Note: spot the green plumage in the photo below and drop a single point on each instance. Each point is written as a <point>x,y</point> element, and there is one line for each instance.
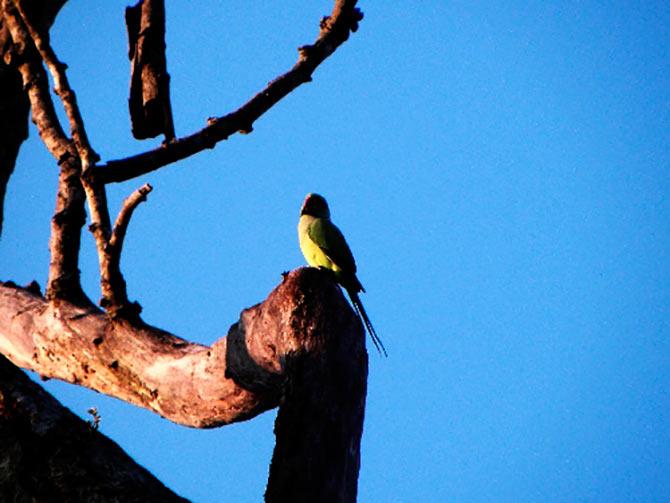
<point>324,246</point>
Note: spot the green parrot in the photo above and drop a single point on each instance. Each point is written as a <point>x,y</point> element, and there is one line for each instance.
<point>324,246</point>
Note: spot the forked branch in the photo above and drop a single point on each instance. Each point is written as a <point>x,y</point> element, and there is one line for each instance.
<point>82,157</point>
<point>69,216</point>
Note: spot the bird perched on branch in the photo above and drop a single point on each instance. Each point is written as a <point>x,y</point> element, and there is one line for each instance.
<point>324,246</point>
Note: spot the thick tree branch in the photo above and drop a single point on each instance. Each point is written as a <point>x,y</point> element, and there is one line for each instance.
<point>49,454</point>
<point>319,426</point>
<point>13,125</point>
<point>334,31</point>
<point>238,377</point>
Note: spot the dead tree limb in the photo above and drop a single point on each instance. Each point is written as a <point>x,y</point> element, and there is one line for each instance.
<point>149,101</point>
<point>334,31</point>
<point>77,156</point>
<point>115,300</point>
<point>236,378</point>
<point>319,426</point>
<point>49,454</point>
<point>61,86</point>
<point>69,215</point>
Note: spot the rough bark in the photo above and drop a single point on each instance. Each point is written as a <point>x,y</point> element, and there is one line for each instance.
<point>149,101</point>
<point>13,101</point>
<point>319,425</point>
<point>187,383</point>
<point>303,348</point>
<point>47,454</point>
<point>69,215</point>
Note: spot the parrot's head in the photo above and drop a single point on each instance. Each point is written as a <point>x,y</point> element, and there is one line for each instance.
<point>315,206</point>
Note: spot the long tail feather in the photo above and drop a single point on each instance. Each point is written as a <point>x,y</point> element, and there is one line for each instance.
<point>360,310</point>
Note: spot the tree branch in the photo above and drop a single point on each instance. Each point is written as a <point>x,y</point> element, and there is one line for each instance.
<point>62,88</point>
<point>236,378</point>
<point>69,215</point>
<point>49,454</point>
<point>334,31</point>
<point>114,295</point>
<point>13,125</point>
<point>123,219</point>
<point>112,284</point>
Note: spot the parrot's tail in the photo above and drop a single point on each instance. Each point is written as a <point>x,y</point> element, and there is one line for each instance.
<point>360,310</point>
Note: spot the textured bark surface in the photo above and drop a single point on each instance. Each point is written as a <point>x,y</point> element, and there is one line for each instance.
<point>13,100</point>
<point>149,101</point>
<point>320,422</point>
<point>13,126</point>
<point>47,454</point>
<point>187,383</point>
<point>303,349</point>
<point>69,215</point>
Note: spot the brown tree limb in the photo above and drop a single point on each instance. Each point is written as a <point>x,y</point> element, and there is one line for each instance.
<point>334,31</point>
<point>113,286</point>
<point>61,87</point>
<point>236,378</point>
<point>36,85</point>
<point>69,215</point>
<point>95,193</point>
<point>49,454</point>
<point>319,426</point>
<point>149,101</point>
<point>123,219</point>
<point>115,297</point>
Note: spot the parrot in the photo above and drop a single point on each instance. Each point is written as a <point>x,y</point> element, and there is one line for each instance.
<point>324,247</point>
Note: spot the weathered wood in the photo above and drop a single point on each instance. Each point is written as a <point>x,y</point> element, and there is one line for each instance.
<point>69,214</point>
<point>149,101</point>
<point>47,454</point>
<point>13,125</point>
<point>320,422</point>
<point>184,382</point>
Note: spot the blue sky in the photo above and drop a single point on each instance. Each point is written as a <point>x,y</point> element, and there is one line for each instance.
<point>501,172</point>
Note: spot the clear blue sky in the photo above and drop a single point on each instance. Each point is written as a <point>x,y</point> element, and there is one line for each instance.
<point>502,173</point>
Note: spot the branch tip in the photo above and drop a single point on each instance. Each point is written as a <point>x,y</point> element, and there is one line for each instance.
<point>334,31</point>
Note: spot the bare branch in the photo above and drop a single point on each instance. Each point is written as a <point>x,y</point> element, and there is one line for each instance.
<point>14,108</point>
<point>62,88</point>
<point>69,216</point>
<point>95,194</point>
<point>334,31</point>
<point>114,294</point>
<point>126,212</point>
<point>236,378</point>
<point>36,85</point>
